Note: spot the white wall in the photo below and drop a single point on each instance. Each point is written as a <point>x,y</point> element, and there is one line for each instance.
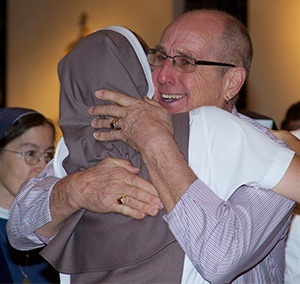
<point>40,30</point>
<point>274,82</point>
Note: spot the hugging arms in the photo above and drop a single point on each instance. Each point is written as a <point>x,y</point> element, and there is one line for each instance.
<point>189,201</point>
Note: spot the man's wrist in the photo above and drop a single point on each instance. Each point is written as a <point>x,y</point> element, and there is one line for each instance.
<point>164,162</point>
<point>62,203</point>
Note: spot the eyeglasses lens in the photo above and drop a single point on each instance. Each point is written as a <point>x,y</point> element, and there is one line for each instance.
<point>184,64</point>
<point>34,157</point>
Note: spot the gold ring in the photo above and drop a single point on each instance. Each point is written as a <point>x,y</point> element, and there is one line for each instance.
<point>114,124</point>
<point>121,199</point>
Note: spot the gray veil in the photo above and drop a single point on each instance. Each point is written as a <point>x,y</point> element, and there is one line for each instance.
<point>109,247</point>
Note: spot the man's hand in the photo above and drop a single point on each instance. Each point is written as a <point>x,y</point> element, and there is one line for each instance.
<point>97,189</point>
<point>147,127</point>
<point>139,121</point>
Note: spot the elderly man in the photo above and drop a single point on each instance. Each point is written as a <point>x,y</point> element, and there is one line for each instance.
<point>249,235</point>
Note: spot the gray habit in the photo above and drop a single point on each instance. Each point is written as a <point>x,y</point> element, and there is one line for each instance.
<point>109,248</point>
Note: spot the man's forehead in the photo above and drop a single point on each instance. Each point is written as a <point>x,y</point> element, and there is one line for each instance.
<point>193,41</point>
<point>201,23</point>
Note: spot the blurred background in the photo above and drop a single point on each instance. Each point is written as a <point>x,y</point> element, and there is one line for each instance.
<point>35,34</point>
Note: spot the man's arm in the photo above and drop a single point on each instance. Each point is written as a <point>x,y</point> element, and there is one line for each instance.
<point>158,148</point>
<point>25,213</point>
<point>291,140</point>
<point>159,152</point>
<point>291,190</point>
<point>243,229</point>
<point>43,204</point>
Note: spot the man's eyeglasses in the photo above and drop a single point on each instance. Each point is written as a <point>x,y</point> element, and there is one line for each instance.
<point>182,63</point>
<point>33,157</point>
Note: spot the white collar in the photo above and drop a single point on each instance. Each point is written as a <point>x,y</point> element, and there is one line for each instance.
<point>3,213</point>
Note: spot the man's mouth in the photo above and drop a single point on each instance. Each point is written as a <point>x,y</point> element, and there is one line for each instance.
<point>171,97</point>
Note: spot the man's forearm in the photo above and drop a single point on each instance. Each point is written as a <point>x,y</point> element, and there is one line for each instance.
<point>40,208</point>
<point>60,205</point>
<point>291,140</point>
<point>202,221</point>
<point>168,170</point>
<point>29,212</point>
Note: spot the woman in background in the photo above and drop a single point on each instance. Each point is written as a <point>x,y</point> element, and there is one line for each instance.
<point>26,146</point>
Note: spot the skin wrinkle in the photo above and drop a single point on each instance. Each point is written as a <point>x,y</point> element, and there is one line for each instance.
<point>176,38</point>
<point>13,168</point>
<point>168,81</point>
<point>166,77</point>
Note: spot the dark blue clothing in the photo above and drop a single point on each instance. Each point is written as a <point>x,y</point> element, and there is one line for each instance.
<point>12,261</point>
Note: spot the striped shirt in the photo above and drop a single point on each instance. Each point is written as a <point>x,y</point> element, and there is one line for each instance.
<point>241,240</point>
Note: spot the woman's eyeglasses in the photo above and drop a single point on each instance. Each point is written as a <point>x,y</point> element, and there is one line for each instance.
<point>33,157</point>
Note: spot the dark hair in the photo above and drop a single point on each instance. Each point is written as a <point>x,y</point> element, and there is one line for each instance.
<point>24,123</point>
<point>292,114</point>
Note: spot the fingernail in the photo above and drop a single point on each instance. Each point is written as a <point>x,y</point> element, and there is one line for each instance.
<point>94,122</point>
<point>91,109</point>
<point>142,215</point>
<point>160,205</point>
<point>98,94</point>
<point>153,211</point>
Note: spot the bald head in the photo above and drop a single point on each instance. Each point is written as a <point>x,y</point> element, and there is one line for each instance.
<point>223,35</point>
<point>220,48</point>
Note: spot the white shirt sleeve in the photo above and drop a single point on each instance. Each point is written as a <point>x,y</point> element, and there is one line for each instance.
<point>225,152</point>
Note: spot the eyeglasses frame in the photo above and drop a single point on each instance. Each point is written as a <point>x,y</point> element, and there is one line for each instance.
<point>197,62</point>
<point>24,155</point>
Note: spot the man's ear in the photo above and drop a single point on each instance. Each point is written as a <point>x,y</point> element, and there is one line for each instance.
<point>233,81</point>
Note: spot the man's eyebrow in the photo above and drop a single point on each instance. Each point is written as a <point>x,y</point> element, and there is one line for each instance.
<point>159,47</point>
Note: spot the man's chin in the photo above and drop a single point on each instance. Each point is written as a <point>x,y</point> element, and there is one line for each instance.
<point>174,106</point>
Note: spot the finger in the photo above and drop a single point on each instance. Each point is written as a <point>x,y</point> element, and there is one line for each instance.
<point>140,183</point>
<point>126,210</point>
<point>134,208</point>
<point>152,102</point>
<point>104,123</point>
<point>124,164</point>
<point>140,189</point>
<point>108,136</point>
<point>140,206</point>
<point>141,200</point>
<point>116,97</point>
<point>107,110</point>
